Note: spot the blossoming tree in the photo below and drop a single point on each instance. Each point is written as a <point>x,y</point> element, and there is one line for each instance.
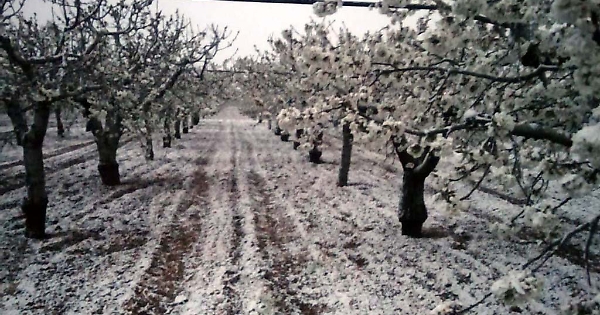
<point>504,92</point>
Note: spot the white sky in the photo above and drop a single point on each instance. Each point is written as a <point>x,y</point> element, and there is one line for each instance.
<point>254,21</point>
<point>257,21</point>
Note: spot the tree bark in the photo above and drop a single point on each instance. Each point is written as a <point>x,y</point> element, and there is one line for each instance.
<point>195,118</point>
<point>108,166</point>
<point>149,154</point>
<point>314,155</point>
<point>346,155</point>
<point>107,141</point>
<point>177,128</point>
<point>18,120</point>
<point>412,212</point>
<point>149,147</point>
<point>167,130</point>
<point>35,204</point>
<point>60,128</point>
<point>299,133</point>
<point>185,124</point>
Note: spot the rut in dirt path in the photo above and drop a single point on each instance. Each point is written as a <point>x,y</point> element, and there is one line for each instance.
<point>276,234</point>
<point>161,283</point>
<point>231,277</point>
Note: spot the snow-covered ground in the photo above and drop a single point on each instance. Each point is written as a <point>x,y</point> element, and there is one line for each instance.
<point>233,221</point>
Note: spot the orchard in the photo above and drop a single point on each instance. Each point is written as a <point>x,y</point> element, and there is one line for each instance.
<point>448,163</point>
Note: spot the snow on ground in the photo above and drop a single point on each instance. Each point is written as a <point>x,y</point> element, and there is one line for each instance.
<point>233,221</point>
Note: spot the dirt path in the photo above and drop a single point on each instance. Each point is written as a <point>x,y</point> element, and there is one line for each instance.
<point>233,221</point>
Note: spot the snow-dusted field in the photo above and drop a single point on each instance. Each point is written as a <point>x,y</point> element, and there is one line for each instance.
<point>233,221</point>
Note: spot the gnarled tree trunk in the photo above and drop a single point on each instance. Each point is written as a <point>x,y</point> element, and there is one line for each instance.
<point>177,128</point>
<point>167,130</point>
<point>314,155</point>
<point>412,212</point>
<point>60,128</point>
<point>299,133</point>
<point>346,155</point>
<point>185,124</point>
<point>108,166</point>
<point>107,141</point>
<point>149,147</point>
<point>195,118</point>
<point>277,130</point>
<point>35,204</point>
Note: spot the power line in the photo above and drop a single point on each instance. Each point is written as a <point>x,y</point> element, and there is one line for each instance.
<point>363,4</point>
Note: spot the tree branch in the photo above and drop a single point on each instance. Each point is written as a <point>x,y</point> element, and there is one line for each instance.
<point>532,75</point>
<point>537,132</point>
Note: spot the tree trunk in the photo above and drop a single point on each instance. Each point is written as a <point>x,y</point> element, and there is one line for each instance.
<point>60,128</point>
<point>149,154</point>
<point>35,204</point>
<point>167,136</point>
<point>269,124</point>
<point>195,118</point>
<point>299,133</point>
<point>108,166</point>
<point>167,141</point>
<point>314,155</point>
<point>412,212</point>
<point>177,129</point>
<point>346,155</point>
<point>107,142</point>
<point>277,129</point>
<point>18,120</point>
<point>185,125</point>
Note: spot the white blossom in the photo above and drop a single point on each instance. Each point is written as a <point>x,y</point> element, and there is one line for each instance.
<point>517,287</point>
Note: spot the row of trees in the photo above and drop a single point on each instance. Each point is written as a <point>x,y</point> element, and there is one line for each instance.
<point>505,92</point>
<point>122,65</point>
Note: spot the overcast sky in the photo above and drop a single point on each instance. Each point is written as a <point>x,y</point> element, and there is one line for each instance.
<point>257,21</point>
<point>254,21</point>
